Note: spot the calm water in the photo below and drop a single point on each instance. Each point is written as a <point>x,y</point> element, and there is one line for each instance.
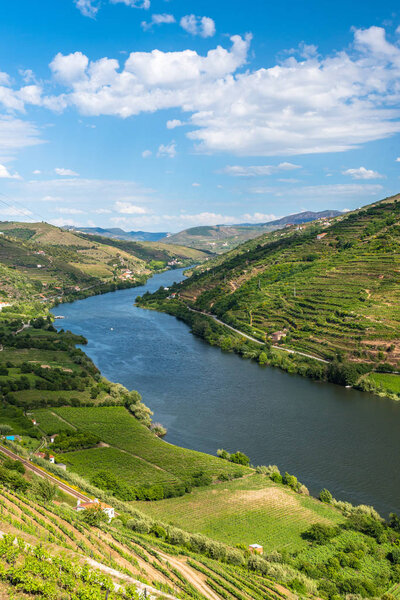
<point>328,436</point>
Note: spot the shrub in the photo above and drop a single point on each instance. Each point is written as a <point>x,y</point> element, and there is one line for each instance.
<point>325,496</point>
<point>319,533</point>
<point>240,458</point>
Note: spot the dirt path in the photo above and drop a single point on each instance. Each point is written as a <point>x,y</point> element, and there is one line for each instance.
<point>63,420</point>
<point>193,576</point>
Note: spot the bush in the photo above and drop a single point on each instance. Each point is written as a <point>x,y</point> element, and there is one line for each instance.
<point>14,465</point>
<point>325,496</point>
<point>319,533</point>
<point>240,459</point>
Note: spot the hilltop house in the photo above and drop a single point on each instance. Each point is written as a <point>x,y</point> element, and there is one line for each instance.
<point>321,235</point>
<point>53,438</point>
<point>256,549</point>
<point>95,504</point>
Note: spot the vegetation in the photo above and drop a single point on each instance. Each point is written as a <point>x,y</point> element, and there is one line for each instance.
<point>329,290</point>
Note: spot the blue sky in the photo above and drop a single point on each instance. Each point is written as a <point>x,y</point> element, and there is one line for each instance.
<point>165,114</point>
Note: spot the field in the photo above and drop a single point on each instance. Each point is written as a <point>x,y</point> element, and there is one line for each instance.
<point>250,510</point>
<point>122,431</point>
<point>386,381</point>
<point>130,469</point>
<point>49,423</point>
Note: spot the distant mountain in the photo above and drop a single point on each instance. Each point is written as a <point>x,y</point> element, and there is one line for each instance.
<point>297,219</point>
<point>120,234</point>
<point>221,238</point>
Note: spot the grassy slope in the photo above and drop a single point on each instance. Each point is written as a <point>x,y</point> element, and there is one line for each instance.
<point>134,445</point>
<point>71,260</point>
<point>250,510</point>
<point>339,294</point>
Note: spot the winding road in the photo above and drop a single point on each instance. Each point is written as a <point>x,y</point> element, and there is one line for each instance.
<point>252,339</point>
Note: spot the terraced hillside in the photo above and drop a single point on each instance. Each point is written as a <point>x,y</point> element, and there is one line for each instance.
<point>221,238</point>
<point>40,260</point>
<point>329,289</point>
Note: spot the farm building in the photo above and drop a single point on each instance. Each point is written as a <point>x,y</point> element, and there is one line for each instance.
<point>52,438</point>
<point>256,549</point>
<point>106,508</point>
<point>277,336</point>
<point>321,235</point>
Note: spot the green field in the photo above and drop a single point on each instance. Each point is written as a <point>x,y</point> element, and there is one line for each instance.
<point>250,510</point>
<point>118,428</point>
<point>48,422</point>
<point>129,468</point>
<point>387,381</point>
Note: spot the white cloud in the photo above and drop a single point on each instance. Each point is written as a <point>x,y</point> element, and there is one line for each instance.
<point>146,153</point>
<point>168,150</point>
<point>252,171</point>
<point>195,184</point>
<point>62,222</point>
<point>65,172</point>
<point>133,3</point>
<point>127,208</point>
<point>102,211</point>
<point>323,191</point>
<point>5,173</point>
<point>163,19</point>
<point>308,104</point>
<point>398,159</point>
<point>203,26</point>
<point>69,211</point>
<point>37,172</point>
<point>173,123</point>
<point>14,211</point>
<point>15,135</point>
<point>362,173</point>
<point>87,7</point>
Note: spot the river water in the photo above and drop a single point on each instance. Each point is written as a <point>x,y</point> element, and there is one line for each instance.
<point>328,436</point>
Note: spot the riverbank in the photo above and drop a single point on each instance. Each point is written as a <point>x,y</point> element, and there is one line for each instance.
<point>214,331</point>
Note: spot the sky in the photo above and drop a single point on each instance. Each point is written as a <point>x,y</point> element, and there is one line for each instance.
<point>159,115</point>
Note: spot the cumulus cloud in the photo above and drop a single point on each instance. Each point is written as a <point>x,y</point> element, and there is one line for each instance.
<point>168,150</point>
<point>14,211</point>
<point>252,171</point>
<point>65,172</point>
<point>173,123</point>
<point>259,218</point>
<point>88,8</point>
<point>304,104</point>
<point>5,173</point>
<point>146,153</point>
<point>37,172</point>
<point>362,173</point>
<point>196,184</point>
<point>398,159</point>
<point>202,26</point>
<point>127,208</point>
<point>163,19</point>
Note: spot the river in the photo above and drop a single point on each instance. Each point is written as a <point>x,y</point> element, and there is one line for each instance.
<point>328,436</point>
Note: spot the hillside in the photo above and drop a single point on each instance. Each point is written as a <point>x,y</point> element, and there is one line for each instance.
<point>42,260</point>
<point>120,234</point>
<point>184,519</point>
<point>221,238</point>
<point>329,289</point>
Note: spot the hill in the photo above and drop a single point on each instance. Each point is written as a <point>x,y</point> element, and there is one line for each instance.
<point>39,260</point>
<point>167,534</point>
<point>328,289</point>
<point>221,238</point>
<point>120,234</point>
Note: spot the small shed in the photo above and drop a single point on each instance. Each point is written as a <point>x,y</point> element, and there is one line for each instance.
<point>53,438</point>
<point>256,549</point>
<point>95,504</point>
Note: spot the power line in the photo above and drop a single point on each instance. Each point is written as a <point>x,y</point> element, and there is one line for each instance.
<point>25,208</point>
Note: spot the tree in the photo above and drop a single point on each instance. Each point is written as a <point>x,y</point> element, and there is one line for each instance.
<point>94,516</point>
<point>5,429</point>
<point>319,533</point>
